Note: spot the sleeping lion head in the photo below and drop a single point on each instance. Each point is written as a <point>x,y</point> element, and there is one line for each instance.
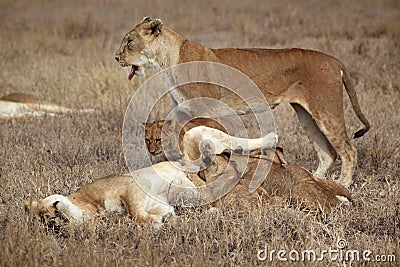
<point>48,211</point>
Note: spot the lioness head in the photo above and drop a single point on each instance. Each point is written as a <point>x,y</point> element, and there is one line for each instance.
<point>48,210</point>
<point>214,167</point>
<point>139,47</point>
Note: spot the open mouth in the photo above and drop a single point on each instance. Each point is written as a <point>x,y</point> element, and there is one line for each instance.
<point>132,72</point>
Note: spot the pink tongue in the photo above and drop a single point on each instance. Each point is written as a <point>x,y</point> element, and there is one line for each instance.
<point>132,73</point>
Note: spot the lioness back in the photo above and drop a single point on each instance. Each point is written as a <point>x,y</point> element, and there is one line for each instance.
<point>21,98</point>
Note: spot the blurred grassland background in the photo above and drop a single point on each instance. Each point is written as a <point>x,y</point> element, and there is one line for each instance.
<point>63,52</point>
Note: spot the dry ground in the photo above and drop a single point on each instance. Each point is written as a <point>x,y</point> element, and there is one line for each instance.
<point>63,51</point>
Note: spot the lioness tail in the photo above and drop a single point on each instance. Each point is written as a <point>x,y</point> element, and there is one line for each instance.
<point>348,84</point>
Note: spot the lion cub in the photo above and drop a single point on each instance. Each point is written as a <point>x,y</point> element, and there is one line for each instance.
<point>152,135</point>
<point>145,195</point>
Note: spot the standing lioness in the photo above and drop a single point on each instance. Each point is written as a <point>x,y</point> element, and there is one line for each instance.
<point>310,81</point>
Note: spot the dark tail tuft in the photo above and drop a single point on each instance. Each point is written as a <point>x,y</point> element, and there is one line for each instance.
<point>360,133</point>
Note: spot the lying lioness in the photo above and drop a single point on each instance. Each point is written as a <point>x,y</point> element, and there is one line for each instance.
<point>145,195</point>
<point>285,181</point>
<point>20,104</point>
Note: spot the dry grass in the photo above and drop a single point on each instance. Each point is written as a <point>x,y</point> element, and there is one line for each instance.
<point>63,52</point>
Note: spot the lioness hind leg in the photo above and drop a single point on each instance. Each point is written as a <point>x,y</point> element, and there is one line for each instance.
<point>141,208</point>
<point>348,155</point>
<point>325,152</point>
<point>332,125</point>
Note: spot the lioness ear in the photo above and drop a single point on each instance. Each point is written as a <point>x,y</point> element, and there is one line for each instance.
<point>55,204</point>
<point>161,123</point>
<point>279,157</point>
<point>167,124</point>
<point>206,160</point>
<point>146,19</point>
<point>226,154</point>
<point>155,26</point>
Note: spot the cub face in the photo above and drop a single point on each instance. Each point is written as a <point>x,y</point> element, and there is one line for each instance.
<point>139,46</point>
<point>152,134</point>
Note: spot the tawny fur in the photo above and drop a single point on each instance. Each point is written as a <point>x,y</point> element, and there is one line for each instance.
<point>21,104</point>
<point>289,182</point>
<point>311,81</point>
<point>121,194</point>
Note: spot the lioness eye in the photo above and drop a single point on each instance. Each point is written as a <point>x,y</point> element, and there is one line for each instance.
<point>128,42</point>
<point>147,141</point>
<point>158,140</point>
